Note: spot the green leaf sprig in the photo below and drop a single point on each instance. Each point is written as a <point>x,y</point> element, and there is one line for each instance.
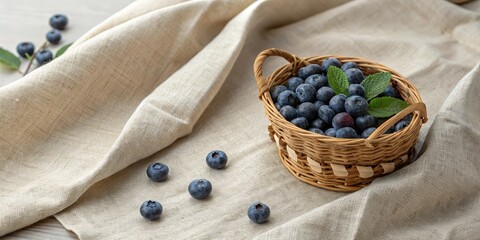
<point>374,85</point>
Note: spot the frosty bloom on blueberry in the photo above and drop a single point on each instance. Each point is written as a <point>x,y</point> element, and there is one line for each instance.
<point>258,212</point>
<point>217,159</point>
<point>151,210</point>
<point>200,188</point>
<point>157,172</point>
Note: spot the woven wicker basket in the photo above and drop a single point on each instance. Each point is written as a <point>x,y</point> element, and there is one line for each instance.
<point>335,163</point>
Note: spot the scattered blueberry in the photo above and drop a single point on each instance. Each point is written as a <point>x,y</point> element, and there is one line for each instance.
<point>349,65</point>
<point>367,132</point>
<point>217,159</point>
<point>354,75</point>
<point>324,94</point>
<point>331,132</point>
<point>330,62</point>
<point>342,120</point>
<point>151,210</point>
<point>346,132</point>
<point>316,130</point>
<point>390,92</point>
<point>288,112</point>
<point>200,188</point>
<point>317,80</point>
<point>276,90</point>
<point>318,123</point>
<point>364,122</point>
<point>157,172</point>
<point>337,103</point>
<point>309,70</point>
<point>356,89</point>
<point>305,93</point>
<point>258,212</point>
<point>308,111</point>
<point>287,97</point>
<point>25,48</point>
<point>318,104</point>
<point>326,114</point>
<point>356,106</point>
<point>293,83</point>
<point>401,125</point>
<point>54,36</point>
<point>44,56</point>
<point>58,21</point>
<point>300,122</point>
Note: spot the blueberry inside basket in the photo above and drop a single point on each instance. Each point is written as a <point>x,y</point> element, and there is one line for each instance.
<point>340,164</point>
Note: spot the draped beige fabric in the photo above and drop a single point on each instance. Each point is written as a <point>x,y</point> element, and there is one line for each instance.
<point>170,81</point>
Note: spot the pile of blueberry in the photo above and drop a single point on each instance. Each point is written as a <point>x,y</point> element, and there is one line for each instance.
<point>198,189</point>
<point>308,101</point>
<point>26,49</point>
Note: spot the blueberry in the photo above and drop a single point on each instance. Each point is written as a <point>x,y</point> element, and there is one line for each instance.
<point>390,92</point>
<point>324,94</point>
<point>367,132</point>
<point>331,132</point>
<point>337,103</point>
<point>151,210</point>
<point>354,75</point>
<point>217,159</point>
<point>157,172</point>
<point>330,62</point>
<point>356,106</point>
<point>317,80</point>
<point>276,90</point>
<point>300,122</point>
<point>346,132</point>
<point>341,120</point>
<point>25,48</point>
<point>356,89</point>
<point>349,65</point>
<point>326,114</point>
<point>287,97</point>
<point>318,104</point>
<point>316,130</point>
<point>58,21</point>
<point>54,36</point>
<point>364,122</point>
<point>258,212</point>
<point>306,93</point>
<point>293,83</point>
<point>318,123</point>
<point>307,110</point>
<point>408,118</point>
<point>401,125</point>
<point>200,188</point>
<point>288,112</point>
<point>380,121</point>
<point>309,70</point>
<point>278,106</point>
<point>44,56</point>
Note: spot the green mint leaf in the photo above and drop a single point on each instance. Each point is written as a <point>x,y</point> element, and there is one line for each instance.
<point>375,84</point>
<point>8,59</point>
<point>386,106</point>
<point>338,80</point>
<point>62,50</point>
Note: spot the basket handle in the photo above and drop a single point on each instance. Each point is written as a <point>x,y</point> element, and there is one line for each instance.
<point>393,120</point>
<point>260,60</point>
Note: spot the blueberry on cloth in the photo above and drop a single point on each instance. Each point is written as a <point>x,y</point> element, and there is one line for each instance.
<point>258,212</point>
<point>217,159</point>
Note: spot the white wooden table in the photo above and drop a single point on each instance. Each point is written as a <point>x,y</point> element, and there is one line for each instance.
<point>27,20</point>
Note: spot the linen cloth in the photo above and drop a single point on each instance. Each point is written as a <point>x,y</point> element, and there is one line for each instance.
<point>170,81</point>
